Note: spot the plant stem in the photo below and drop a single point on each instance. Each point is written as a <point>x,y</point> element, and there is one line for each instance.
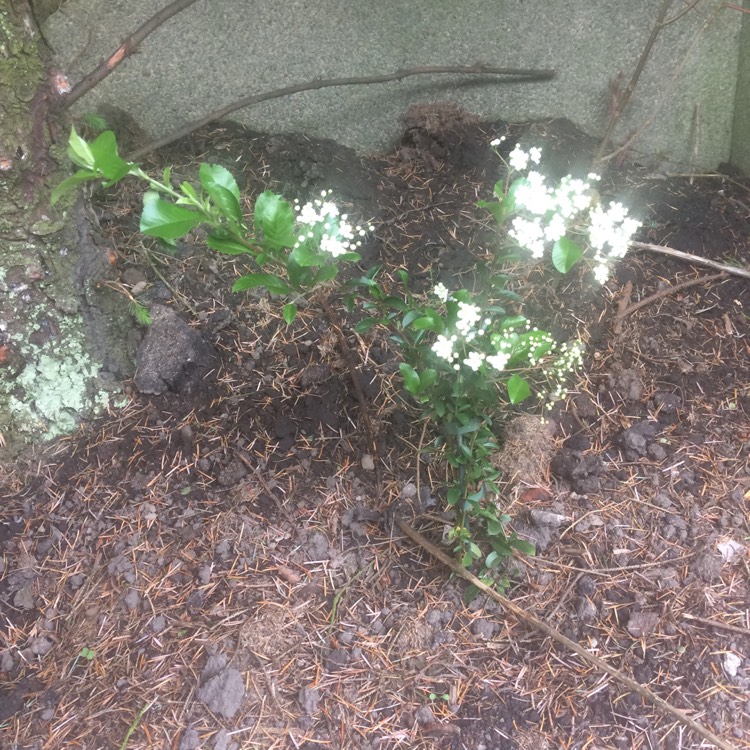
<point>624,99</point>
<point>134,725</point>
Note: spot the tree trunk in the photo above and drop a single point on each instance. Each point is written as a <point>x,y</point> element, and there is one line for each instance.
<point>52,344</point>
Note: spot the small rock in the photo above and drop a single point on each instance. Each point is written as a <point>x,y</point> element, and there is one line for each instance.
<point>24,597</point>
<point>424,715</point>
<point>223,741</point>
<point>158,623</point>
<point>642,623</point>
<point>223,693</point>
<point>408,491</point>
<point>484,628</point>
<point>586,610</point>
<point>708,567</point>
<point>190,740</point>
<point>308,699</point>
<point>132,599</point>
<point>656,452</point>
<point>368,462</point>
<point>6,662</point>
<point>39,646</point>
<point>732,663</point>
<point>547,518</point>
<point>336,660</point>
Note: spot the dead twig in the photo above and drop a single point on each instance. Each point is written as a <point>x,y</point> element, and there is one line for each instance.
<point>716,624</point>
<point>622,100</point>
<point>124,51</point>
<point>672,253</point>
<point>513,75</point>
<point>622,314</point>
<point>548,630</point>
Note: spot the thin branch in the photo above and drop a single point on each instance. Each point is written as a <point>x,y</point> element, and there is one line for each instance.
<point>126,49</point>
<point>548,630</point>
<point>514,75</point>
<point>672,253</point>
<point>623,100</point>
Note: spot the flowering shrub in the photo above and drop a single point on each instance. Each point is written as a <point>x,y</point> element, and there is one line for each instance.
<point>292,250</point>
<point>465,359</point>
<point>545,216</point>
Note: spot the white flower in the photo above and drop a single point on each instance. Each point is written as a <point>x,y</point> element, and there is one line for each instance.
<point>474,360</point>
<point>572,197</point>
<point>528,234</point>
<point>495,142</point>
<point>468,316</point>
<point>535,154</point>
<point>601,274</point>
<point>441,292</point>
<point>443,347</point>
<point>518,159</point>
<point>534,195</point>
<point>498,361</point>
<point>556,228</point>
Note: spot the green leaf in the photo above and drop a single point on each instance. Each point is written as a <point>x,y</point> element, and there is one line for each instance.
<point>403,275</point>
<point>527,548</point>
<point>565,254</point>
<point>82,175</point>
<point>274,284</point>
<point>365,325</point>
<point>326,273</point>
<point>166,220</point>
<point>306,257</point>
<point>79,151</point>
<point>454,495</point>
<point>189,191</point>
<point>472,425</point>
<point>275,218</point>
<point>140,313</point>
<point>427,378</point>
<point>166,175</point>
<point>227,246</point>
<point>518,389</point>
<point>492,559</point>
<point>106,158</point>
<point>494,527</point>
<point>221,186</point>
<point>430,321</point>
<point>496,209</point>
<point>289,312</point>
<point>411,378</point>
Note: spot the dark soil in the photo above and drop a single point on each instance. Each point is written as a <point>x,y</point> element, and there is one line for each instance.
<point>223,543</point>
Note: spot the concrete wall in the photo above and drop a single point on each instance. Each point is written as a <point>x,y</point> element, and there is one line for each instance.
<point>740,155</point>
<point>219,50</point>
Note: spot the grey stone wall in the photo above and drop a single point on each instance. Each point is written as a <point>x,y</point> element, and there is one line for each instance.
<point>219,50</point>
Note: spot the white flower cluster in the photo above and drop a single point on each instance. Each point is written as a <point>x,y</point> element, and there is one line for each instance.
<point>569,360</point>
<point>545,214</point>
<point>612,228</point>
<point>320,221</point>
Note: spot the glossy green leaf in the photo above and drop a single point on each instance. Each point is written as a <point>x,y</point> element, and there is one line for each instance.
<point>306,257</point>
<point>518,389</point>
<point>82,175</point>
<point>227,246</point>
<point>527,548</point>
<point>79,151</point>
<point>274,284</point>
<point>166,220</point>
<point>565,254</point>
<point>220,185</point>
<point>106,158</point>
<point>325,273</point>
<point>427,378</point>
<point>492,559</point>
<point>274,217</point>
<point>365,325</point>
<point>289,312</point>
<point>410,376</point>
